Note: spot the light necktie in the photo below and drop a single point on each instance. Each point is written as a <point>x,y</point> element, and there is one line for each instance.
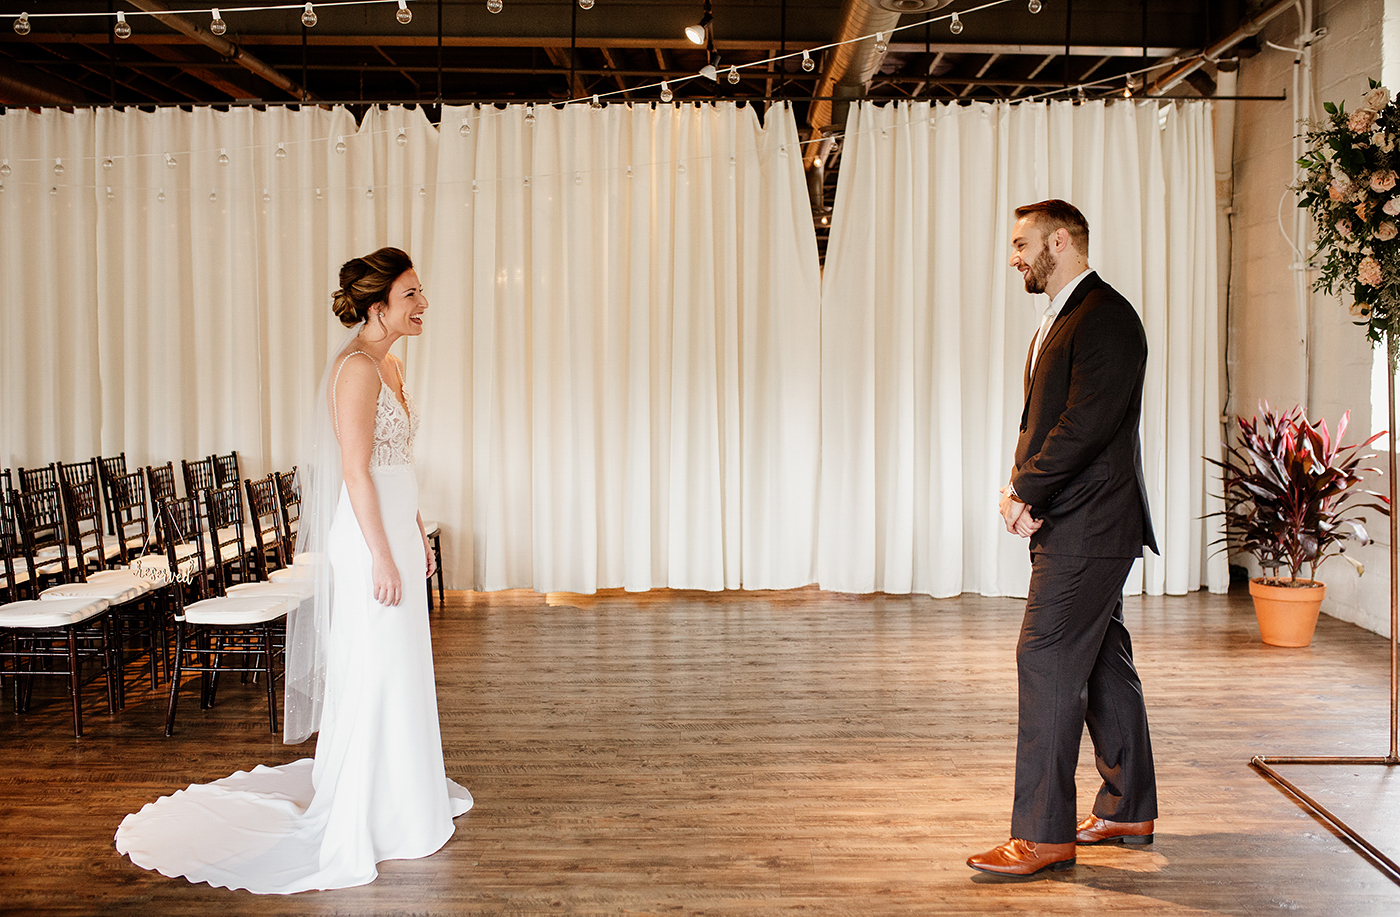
<point>1045,324</point>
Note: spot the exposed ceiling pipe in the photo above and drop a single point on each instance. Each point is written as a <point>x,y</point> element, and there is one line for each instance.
<point>225,48</point>
<point>1247,29</point>
<point>22,86</point>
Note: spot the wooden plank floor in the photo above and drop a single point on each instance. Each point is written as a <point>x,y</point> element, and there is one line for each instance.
<point>760,754</point>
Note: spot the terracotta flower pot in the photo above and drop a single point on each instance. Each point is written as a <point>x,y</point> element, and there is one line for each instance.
<point>1287,615</point>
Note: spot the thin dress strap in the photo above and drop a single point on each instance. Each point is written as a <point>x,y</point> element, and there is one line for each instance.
<point>335,384</point>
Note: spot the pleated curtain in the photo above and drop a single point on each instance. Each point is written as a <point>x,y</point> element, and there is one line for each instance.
<point>925,332</point>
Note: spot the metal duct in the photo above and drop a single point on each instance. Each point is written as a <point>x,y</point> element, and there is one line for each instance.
<point>1248,28</point>
<point>225,48</point>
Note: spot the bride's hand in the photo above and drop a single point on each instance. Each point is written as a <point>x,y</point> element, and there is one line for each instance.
<point>432,561</point>
<point>387,590</point>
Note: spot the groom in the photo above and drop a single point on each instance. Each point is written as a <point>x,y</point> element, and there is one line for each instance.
<point>1077,493</point>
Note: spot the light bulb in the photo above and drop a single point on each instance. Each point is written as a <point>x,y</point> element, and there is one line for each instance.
<point>527,181</point>
<point>402,138</point>
<point>369,193</point>
<point>578,178</point>
<point>223,157</point>
<point>530,113</point>
<point>629,171</point>
<point>107,164</point>
<point>169,161</point>
<point>1034,6</point>
<point>340,144</point>
<point>213,195</point>
<point>422,190</point>
<point>22,26</point>
<point>404,14</point>
<point>585,4</point>
<point>53,190</point>
<point>2,185</point>
<point>466,129</point>
<point>595,104</point>
<point>881,45</point>
<point>475,189</point>
<point>680,168</point>
<point>281,151</point>
<point>319,195</point>
<point>956,25</point>
<point>308,16</point>
<point>266,196</point>
<point>494,6</point>
<point>733,75</point>
<point>218,26</point>
<point>807,63</point>
<point>111,195</point>
<point>666,94</point>
<point>161,197</point>
<point>58,167</point>
<point>732,160</point>
<point>122,29</point>
<point>4,168</point>
<point>1079,91</point>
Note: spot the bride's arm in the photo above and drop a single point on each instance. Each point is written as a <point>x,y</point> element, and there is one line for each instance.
<point>356,398</point>
<point>427,548</point>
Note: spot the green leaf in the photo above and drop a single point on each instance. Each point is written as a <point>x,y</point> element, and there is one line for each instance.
<point>1329,108</point>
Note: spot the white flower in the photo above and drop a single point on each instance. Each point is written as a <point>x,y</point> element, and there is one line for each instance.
<point>1361,120</point>
<point>1377,98</point>
<point>1382,181</point>
<point>1386,231</point>
<point>1391,208</point>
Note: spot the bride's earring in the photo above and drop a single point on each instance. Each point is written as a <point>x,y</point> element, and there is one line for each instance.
<point>379,314</point>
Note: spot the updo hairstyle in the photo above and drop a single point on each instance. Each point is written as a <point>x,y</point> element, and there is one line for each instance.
<point>366,281</point>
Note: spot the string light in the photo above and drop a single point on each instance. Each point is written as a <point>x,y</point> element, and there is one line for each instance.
<point>213,196</point>
<point>281,150</point>
<point>595,104</point>
<point>1034,6</point>
<point>340,144</point>
<point>223,157</point>
<point>733,75</point>
<point>404,14</point>
<point>402,138</point>
<point>218,26</point>
<point>121,29</point>
<point>319,195</point>
<point>161,196</point>
<point>169,161</point>
<point>466,129</point>
<point>369,193</point>
<point>58,167</point>
<point>266,196</point>
<point>4,168</point>
<point>308,16</point>
<point>666,93</point>
<point>22,24</point>
<point>956,25</point>
<point>107,164</point>
<point>111,195</point>
<point>881,45</point>
<point>585,4</point>
<point>807,63</point>
<point>530,113</point>
<point>494,6</point>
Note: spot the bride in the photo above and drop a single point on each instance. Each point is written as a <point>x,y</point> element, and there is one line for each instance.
<point>359,655</point>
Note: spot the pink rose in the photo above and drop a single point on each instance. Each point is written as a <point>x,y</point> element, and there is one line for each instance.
<point>1344,228</point>
<point>1377,98</point>
<point>1361,120</point>
<point>1386,231</point>
<point>1392,207</point>
<point>1369,272</point>
<point>1382,181</point>
<point>1336,193</point>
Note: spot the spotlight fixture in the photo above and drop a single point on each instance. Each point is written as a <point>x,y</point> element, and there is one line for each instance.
<point>697,33</point>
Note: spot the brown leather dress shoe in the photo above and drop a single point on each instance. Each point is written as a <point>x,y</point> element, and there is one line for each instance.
<point>1095,830</point>
<point>1023,858</point>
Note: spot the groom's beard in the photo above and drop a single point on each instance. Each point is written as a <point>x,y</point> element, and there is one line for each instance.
<point>1041,268</point>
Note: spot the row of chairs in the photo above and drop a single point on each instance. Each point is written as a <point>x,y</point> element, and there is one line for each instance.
<point>74,601</point>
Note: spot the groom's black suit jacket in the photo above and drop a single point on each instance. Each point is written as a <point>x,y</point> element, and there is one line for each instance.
<point>1078,457</point>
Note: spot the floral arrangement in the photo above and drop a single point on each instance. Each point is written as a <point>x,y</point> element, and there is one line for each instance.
<point>1352,167</point>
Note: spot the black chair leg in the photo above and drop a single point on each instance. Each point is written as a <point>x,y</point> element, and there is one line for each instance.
<point>112,657</point>
<point>75,682</point>
<point>267,669</point>
<point>175,677</point>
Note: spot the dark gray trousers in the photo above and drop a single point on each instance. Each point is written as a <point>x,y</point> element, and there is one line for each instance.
<point>1074,666</point>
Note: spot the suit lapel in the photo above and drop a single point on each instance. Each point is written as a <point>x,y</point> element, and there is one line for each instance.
<point>1086,286</point>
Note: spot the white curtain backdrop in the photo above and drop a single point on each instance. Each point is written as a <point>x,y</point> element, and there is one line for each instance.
<point>925,331</point>
<point>620,374</point>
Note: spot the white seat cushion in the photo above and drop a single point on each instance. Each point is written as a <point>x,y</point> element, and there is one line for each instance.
<point>117,587</point>
<point>430,527</point>
<point>295,589</point>
<point>50,613</point>
<point>233,610</point>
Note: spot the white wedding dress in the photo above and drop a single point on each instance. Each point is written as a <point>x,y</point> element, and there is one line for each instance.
<point>376,789</point>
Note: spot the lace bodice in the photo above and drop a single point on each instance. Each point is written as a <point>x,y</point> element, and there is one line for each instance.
<point>393,430</point>
<point>394,426</point>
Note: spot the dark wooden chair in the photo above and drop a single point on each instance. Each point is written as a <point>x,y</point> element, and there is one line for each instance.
<point>265,512</point>
<point>199,476</point>
<point>129,514</point>
<point>214,633</point>
<point>433,532</point>
<point>108,471</point>
<point>43,537</point>
<point>160,481</point>
<point>82,513</point>
<point>52,637</point>
<point>225,525</point>
<point>289,493</point>
<point>225,469</point>
<point>42,478</point>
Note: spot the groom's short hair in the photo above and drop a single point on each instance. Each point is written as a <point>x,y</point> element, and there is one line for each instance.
<point>1057,214</point>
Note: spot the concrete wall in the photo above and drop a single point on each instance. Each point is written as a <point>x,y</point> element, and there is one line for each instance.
<point>1267,356</point>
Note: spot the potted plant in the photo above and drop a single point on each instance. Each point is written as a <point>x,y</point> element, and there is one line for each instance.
<point>1292,496</point>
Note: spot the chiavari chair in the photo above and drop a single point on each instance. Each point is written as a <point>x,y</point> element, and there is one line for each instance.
<point>225,469</point>
<point>108,471</point>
